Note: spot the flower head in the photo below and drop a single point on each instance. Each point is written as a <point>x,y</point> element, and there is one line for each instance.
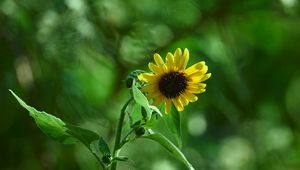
<point>170,81</point>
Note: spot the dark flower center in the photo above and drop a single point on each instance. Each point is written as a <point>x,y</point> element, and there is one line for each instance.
<point>172,84</point>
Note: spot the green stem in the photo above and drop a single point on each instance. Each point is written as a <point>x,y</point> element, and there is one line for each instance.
<point>125,139</point>
<point>119,133</point>
<point>101,163</point>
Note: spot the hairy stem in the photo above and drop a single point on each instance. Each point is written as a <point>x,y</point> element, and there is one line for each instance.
<point>119,133</point>
<point>98,159</point>
<point>125,139</point>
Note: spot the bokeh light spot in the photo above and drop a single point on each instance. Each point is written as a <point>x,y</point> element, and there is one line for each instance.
<point>196,124</point>
<point>163,164</point>
<point>236,153</point>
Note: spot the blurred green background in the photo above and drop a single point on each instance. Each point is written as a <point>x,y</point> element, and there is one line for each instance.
<point>70,58</point>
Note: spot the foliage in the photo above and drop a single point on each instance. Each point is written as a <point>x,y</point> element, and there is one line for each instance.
<point>70,58</point>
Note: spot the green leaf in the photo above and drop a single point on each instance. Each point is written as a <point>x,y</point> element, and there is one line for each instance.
<point>152,121</point>
<point>85,136</point>
<point>144,114</point>
<point>103,147</point>
<point>141,99</point>
<point>135,113</point>
<point>156,110</point>
<point>133,76</point>
<point>173,121</point>
<point>156,115</point>
<point>56,129</point>
<point>170,147</point>
<point>120,158</point>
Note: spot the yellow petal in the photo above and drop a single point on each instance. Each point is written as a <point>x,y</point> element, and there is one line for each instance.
<point>183,100</point>
<point>158,100</point>
<point>177,57</point>
<point>196,87</point>
<point>177,104</point>
<point>205,77</point>
<point>158,60</point>
<point>148,88</point>
<point>201,71</point>
<point>168,106</point>
<point>170,61</point>
<point>195,68</point>
<point>190,97</point>
<point>197,90</point>
<point>148,77</point>
<point>154,68</point>
<point>197,79</point>
<point>153,95</point>
<point>184,59</point>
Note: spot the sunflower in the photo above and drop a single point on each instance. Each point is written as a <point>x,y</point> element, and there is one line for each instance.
<point>170,81</point>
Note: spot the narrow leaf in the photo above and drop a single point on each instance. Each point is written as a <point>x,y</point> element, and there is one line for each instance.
<point>120,158</point>
<point>135,113</point>
<point>156,114</point>
<point>170,147</point>
<point>56,129</point>
<point>156,110</point>
<point>173,121</point>
<point>83,135</point>
<point>141,99</point>
<point>103,147</point>
<point>152,121</point>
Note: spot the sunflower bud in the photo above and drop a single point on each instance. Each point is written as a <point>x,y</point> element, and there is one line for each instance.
<point>106,159</point>
<point>133,76</point>
<point>139,131</point>
<point>129,82</point>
